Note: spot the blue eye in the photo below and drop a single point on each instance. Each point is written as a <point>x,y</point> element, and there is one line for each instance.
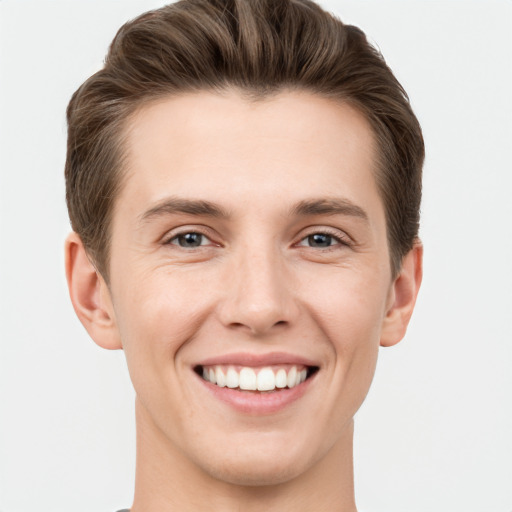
<point>320,240</point>
<point>189,240</point>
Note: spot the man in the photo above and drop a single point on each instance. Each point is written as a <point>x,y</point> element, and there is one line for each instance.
<point>243,181</point>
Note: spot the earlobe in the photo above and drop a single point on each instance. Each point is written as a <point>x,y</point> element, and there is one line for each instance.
<point>403,297</point>
<point>90,295</point>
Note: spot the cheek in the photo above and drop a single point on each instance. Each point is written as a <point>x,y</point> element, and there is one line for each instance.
<point>350,308</point>
<point>158,306</point>
<point>155,320</point>
<point>351,316</point>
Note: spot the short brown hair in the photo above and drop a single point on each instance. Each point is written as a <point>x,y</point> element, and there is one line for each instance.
<point>260,47</point>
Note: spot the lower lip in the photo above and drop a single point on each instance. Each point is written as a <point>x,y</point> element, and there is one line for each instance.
<point>255,403</point>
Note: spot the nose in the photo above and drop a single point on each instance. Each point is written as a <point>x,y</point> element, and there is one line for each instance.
<point>259,296</point>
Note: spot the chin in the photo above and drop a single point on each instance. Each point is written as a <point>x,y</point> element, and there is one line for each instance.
<point>258,464</point>
<point>254,473</point>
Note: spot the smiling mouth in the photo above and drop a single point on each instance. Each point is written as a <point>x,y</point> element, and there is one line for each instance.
<point>263,379</point>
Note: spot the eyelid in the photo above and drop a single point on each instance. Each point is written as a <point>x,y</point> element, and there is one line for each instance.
<point>341,236</point>
<point>183,230</point>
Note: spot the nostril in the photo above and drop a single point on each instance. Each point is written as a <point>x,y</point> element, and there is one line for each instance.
<point>256,327</point>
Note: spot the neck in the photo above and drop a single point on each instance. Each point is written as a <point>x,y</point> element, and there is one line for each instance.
<point>166,480</point>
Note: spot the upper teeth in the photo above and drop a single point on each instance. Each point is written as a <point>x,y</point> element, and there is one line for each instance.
<point>264,379</point>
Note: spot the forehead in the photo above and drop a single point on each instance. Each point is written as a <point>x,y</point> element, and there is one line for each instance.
<point>222,147</point>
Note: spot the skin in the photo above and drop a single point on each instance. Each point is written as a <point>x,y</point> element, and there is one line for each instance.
<point>257,284</point>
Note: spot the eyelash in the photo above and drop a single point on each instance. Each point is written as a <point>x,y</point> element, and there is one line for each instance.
<point>340,238</point>
<point>176,237</point>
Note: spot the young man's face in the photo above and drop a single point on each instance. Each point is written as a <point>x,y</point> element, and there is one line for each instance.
<point>250,237</point>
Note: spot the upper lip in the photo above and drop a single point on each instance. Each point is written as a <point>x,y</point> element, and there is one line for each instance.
<point>256,360</point>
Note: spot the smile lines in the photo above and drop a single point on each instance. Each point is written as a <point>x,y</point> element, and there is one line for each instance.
<point>251,379</point>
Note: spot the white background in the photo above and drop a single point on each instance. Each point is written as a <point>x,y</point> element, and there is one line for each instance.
<point>435,433</point>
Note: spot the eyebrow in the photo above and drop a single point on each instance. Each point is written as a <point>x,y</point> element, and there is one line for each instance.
<point>174,205</point>
<point>199,207</point>
<point>329,206</point>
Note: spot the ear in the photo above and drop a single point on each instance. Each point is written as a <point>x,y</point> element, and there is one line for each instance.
<point>403,293</point>
<point>90,295</point>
